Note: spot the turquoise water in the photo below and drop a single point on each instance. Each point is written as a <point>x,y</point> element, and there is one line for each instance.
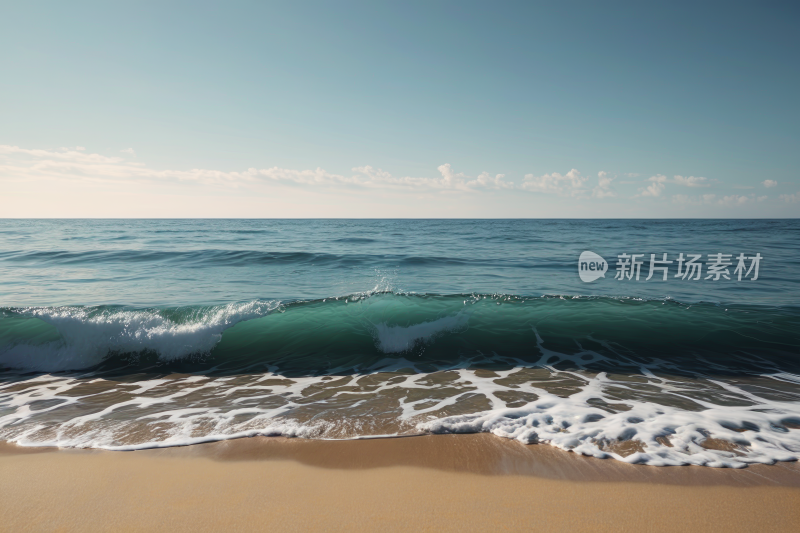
<point>207,262</point>
<point>124,334</point>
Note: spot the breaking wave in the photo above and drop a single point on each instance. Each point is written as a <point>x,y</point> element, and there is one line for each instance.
<point>658,382</point>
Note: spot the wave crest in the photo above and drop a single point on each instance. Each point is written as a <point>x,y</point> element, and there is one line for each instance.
<point>89,335</point>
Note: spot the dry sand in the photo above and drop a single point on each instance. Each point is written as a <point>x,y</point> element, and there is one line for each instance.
<point>449,483</point>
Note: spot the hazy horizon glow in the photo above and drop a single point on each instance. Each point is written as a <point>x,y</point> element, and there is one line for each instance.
<point>97,184</point>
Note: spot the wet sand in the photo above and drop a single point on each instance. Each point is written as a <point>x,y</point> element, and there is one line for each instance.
<point>445,482</point>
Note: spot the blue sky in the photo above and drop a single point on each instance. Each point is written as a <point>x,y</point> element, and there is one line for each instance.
<point>405,109</point>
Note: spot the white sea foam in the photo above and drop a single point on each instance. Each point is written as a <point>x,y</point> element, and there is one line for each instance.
<point>88,335</point>
<point>268,404</point>
<point>664,435</point>
<point>397,339</point>
<point>651,417</point>
<point>160,402</point>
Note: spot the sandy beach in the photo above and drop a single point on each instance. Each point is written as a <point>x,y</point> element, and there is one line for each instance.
<point>399,266</point>
<point>449,483</point>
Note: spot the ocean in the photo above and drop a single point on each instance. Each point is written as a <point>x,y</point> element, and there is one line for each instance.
<point>130,334</point>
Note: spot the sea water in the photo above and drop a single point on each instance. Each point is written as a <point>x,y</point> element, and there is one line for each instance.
<point>126,334</point>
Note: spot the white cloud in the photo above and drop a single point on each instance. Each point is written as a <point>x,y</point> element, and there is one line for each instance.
<point>704,199</point>
<point>68,164</point>
<point>733,200</point>
<point>684,199</point>
<point>690,181</point>
<point>571,183</point>
<point>603,188</point>
<point>78,165</point>
<point>655,188</point>
<point>769,183</point>
<point>659,184</point>
<point>461,181</point>
<point>372,177</point>
<point>485,180</point>
<point>791,198</point>
<point>64,154</point>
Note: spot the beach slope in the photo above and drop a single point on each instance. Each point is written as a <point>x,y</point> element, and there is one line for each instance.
<point>443,483</point>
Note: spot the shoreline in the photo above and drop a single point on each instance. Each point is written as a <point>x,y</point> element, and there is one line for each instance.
<point>440,482</point>
<point>473,453</point>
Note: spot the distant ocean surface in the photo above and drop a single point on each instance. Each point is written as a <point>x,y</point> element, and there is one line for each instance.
<point>127,334</point>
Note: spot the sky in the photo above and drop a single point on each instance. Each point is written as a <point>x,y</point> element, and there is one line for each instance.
<point>404,109</point>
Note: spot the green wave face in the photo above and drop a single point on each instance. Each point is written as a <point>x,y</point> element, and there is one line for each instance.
<point>359,332</point>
